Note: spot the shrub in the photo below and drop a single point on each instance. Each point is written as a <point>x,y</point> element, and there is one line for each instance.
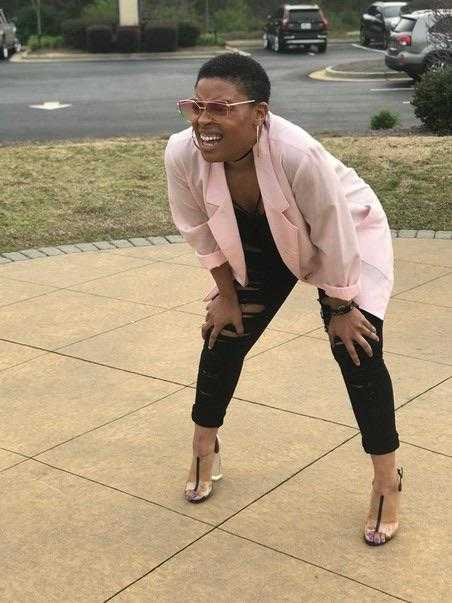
<point>188,33</point>
<point>128,39</point>
<point>46,42</point>
<point>211,39</point>
<point>160,37</point>
<point>433,100</point>
<point>384,120</point>
<point>99,38</point>
<point>101,12</point>
<point>74,33</point>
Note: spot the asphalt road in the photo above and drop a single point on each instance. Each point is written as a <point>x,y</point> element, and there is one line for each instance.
<point>129,98</point>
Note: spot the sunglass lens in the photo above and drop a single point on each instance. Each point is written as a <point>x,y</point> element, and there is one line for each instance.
<point>188,109</point>
<point>217,109</point>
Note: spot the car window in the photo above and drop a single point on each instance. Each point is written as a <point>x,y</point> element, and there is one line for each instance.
<point>405,25</point>
<point>391,11</point>
<point>298,16</point>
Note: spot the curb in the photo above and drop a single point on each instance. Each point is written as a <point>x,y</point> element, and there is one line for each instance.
<point>22,57</point>
<point>326,75</point>
<point>42,252</point>
<point>155,56</point>
<point>390,75</point>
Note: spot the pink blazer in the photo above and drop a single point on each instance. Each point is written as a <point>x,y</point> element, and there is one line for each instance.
<point>327,223</point>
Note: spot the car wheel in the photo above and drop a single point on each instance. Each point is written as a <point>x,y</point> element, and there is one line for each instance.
<point>363,39</point>
<point>321,48</point>
<point>266,43</point>
<point>4,52</point>
<point>276,44</point>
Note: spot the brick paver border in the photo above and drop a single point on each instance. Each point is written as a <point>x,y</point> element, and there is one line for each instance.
<point>40,252</point>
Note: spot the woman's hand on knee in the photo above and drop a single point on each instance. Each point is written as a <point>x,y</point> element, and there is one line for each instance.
<point>222,311</point>
<point>352,327</point>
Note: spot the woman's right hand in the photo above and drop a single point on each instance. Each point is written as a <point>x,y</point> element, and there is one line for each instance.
<point>221,311</point>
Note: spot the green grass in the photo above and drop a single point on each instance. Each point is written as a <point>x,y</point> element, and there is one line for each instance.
<point>71,192</point>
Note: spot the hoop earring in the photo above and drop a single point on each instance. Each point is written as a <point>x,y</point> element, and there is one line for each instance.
<point>193,138</point>
<point>258,140</point>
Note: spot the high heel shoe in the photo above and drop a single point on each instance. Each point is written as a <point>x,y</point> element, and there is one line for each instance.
<point>199,490</point>
<point>386,524</point>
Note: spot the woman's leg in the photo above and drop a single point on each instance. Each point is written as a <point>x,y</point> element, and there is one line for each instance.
<point>371,394</point>
<point>220,368</point>
<point>369,387</point>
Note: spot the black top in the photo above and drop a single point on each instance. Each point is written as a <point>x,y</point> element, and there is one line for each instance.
<point>263,261</point>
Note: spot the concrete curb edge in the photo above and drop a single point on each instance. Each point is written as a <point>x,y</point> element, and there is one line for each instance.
<point>41,252</point>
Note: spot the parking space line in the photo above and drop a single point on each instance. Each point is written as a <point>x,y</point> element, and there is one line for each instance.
<point>369,49</point>
<point>390,89</point>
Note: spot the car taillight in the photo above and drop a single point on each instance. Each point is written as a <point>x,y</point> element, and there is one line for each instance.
<point>285,24</point>
<point>324,20</point>
<point>404,40</point>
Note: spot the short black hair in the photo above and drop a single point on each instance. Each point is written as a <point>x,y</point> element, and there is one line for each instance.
<point>241,70</point>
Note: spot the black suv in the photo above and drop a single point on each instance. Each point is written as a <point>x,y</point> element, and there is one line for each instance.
<point>296,26</point>
<point>377,22</point>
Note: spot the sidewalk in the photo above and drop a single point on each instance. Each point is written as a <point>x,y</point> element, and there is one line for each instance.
<point>98,364</point>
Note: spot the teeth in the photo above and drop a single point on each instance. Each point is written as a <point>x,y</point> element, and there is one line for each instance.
<point>210,138</point>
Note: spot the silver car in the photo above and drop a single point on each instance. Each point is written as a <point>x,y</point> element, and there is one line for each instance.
<point>9,44</point>
<point>421,41</point>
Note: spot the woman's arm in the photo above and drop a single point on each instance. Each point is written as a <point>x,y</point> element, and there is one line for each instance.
<point>321,199</point>
<point>189,218</point>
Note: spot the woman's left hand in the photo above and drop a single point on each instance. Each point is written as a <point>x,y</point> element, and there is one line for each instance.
<point>351,327</point>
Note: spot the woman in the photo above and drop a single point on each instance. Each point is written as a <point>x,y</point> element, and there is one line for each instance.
<point>265,205</point>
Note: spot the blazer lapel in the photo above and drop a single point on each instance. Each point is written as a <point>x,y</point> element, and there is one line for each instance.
<point>222,221</point>
<point>223,224</point>
<point>284,232</point>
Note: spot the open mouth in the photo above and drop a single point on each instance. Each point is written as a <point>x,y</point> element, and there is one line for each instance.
<point>210,142</point>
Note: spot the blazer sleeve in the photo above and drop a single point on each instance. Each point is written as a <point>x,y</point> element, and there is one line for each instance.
<point>189,218</point>
<point>321,199</point>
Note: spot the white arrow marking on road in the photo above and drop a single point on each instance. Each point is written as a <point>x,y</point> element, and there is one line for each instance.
<point>50,106</point>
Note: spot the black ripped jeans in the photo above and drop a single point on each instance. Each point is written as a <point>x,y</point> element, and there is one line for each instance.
<point>369,385</point>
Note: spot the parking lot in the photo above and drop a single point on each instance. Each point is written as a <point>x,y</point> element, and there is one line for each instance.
<point>134,98</point>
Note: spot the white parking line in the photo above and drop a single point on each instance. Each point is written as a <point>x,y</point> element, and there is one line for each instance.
<point>390,89</point>
<point>369,49</point>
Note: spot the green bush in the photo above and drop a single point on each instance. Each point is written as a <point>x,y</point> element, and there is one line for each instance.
<point>160,37</point>
<point>236,16</point>
<point>188,34</point>
<point>74,33</point>
<point>128,39</point>
<point>46,42</point>
<point>101,12</point>
<point>99,38</point>
<point>211,39</point>
<point>384,120</point>
<point>433,100</point>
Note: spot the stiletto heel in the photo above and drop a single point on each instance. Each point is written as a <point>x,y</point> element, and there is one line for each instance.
<point>385,534</point>
<point>191,488</point>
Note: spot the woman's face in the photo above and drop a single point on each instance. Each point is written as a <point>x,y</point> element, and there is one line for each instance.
<point>236,133</point>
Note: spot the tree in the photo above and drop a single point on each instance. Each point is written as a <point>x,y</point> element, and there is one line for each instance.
<point>36,4</point>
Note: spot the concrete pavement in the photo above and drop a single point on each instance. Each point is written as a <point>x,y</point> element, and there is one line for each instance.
<point>98,363</point>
